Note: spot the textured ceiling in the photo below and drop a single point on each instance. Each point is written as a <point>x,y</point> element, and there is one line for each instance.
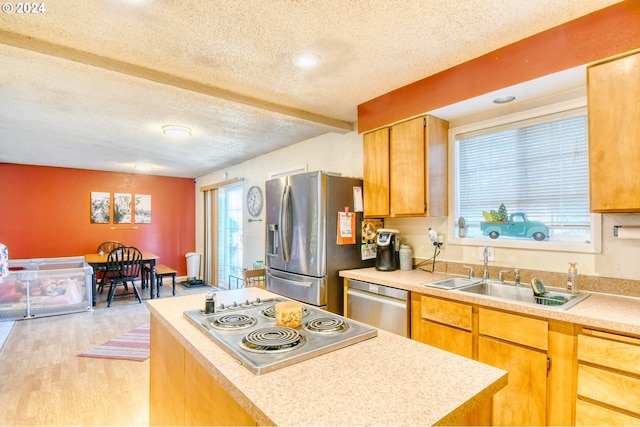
<point>88,84</point>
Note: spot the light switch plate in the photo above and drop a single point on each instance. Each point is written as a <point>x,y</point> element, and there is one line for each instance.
<point>491,253</point>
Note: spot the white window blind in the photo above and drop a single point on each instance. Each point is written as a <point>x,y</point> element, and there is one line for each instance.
<point>538,166</point>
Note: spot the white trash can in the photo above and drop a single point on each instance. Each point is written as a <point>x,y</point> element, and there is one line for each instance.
<point>193,265</point>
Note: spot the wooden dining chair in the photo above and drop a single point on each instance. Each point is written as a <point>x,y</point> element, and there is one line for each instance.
<point>105,248</point>
<point>124,265</point>
<point>108,246</point>
<point>255,278</point>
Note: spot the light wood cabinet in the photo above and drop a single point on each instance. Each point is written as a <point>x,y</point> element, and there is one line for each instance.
<point>166,366</point>
<point>443,324</point>
<point>405,169</point>
<point>182,392</point>
<point>518,345</point>
<point>376,173</point>
<point>447,325</point>
<point>614,134</point>
<point>608,389</point>
<point>559,373</point>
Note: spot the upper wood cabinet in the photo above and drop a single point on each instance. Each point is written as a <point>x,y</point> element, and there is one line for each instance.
<point>405,169</point>
<point>376,173</point>
<point>614,134</point>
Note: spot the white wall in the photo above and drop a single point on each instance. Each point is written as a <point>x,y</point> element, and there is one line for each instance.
<point>343,154</point>
<point>332,152</point>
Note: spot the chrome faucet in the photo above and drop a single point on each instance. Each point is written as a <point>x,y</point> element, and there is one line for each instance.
<point>485,272</point>
<point>501,275</point>
<point>516,276</point>
<point>470,270</point>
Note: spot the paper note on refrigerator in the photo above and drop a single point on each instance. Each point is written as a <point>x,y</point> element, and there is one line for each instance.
<point>346,228</point>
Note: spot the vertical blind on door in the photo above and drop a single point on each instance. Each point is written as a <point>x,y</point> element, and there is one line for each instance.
<point>538,166</point>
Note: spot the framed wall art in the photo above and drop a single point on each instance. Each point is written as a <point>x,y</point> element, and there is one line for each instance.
<point>100,207</point>
<point>142,209</point>
<point>121,208</point>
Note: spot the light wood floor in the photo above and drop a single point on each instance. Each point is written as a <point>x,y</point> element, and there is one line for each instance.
<point>44,383</point>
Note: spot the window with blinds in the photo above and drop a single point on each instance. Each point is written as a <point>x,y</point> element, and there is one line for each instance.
<point>538,166</point>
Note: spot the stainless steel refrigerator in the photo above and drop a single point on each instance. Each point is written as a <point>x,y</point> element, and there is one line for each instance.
<point>303,258</point>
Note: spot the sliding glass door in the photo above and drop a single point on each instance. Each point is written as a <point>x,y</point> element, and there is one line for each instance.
<point>230,236</point>
<point>223,235</point>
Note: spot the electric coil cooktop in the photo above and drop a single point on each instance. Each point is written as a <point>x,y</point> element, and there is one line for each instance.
<point>247,331</point>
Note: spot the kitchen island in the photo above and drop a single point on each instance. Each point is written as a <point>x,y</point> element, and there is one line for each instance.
<point>385,380</point>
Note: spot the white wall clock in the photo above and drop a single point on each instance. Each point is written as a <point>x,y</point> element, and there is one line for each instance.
<point>254,200</point>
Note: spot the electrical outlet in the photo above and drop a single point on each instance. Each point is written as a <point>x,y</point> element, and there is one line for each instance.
<point>441,240</point>
<point>491,253</point>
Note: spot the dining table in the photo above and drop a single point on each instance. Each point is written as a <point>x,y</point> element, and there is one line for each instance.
<point>99,261</point>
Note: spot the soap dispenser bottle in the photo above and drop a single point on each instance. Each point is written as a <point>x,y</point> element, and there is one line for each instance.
<point>572,278</point>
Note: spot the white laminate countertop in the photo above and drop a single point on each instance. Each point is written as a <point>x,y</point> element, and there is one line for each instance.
<point>605,311</point>
<point>386,380</point>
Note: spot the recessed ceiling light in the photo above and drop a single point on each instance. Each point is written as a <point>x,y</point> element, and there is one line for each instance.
<point>306,60</point>
<point>143,167</point>
<point>504,99</point>
<point>176,130</point>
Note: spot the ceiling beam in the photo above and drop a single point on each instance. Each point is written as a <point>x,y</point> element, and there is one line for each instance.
<point>36,45</point>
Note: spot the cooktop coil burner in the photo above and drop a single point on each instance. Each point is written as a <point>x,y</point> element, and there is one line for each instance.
<point>233,321</point>
<point>270,311</point>
<point>276,339</point>
<point>247,331</point>
<point>326,325</point>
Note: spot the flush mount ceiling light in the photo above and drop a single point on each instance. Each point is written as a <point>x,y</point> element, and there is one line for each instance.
<point>143,167</point>
<point>306,60</point>
<point>504,99</point>
<point>176,130</point>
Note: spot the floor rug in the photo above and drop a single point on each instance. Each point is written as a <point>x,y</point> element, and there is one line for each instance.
<point>132,345</point>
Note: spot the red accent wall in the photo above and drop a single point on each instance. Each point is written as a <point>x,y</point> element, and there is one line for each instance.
<point>599,35</point>
<point>45,212</point>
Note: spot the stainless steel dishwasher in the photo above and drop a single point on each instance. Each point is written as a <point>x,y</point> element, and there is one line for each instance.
<point>381,306</point>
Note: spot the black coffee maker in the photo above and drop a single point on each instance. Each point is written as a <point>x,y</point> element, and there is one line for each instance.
<point>387,253</point>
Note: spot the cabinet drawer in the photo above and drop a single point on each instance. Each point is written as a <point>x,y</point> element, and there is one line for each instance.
<point>447,312</point>
<point>521,330</point>
<point>588,414</point>
<point>609,387</point>
<point>447,338</point>
<point>610,351</point>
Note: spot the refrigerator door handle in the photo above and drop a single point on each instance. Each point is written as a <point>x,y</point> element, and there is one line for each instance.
<point>285,223</point>
<point>293,282</point>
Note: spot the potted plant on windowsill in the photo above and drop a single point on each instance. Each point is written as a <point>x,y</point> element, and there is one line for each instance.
<point>462,229</point>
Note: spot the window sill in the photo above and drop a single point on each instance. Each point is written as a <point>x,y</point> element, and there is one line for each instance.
<point>593,247</point>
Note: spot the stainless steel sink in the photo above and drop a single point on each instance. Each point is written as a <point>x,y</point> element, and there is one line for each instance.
<point>452,282</point>
<point>523,294</point>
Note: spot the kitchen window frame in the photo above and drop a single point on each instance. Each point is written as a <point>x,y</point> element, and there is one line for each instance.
<point>593,246</point>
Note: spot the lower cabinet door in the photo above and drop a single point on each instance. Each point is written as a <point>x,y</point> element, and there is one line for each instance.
<point>588,414</point>
<point>523,401</point>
